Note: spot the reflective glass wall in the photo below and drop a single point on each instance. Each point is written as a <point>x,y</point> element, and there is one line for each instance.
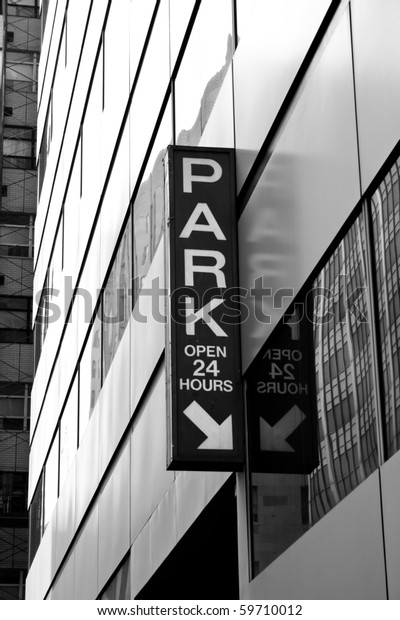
<point>323,393</point>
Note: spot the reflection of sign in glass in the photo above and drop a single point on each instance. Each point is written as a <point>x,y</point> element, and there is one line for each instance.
<point>281,405</point>
<point>203,355</point>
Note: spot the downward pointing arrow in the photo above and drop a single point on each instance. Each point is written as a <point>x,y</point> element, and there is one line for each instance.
<point>273,438</point>
<point>219,436</point>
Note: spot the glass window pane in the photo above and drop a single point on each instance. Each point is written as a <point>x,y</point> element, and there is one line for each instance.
<point>14,235</point>
<point>51,481</point>
<point>13,493</point>
<point>203,69</point>
<point>13,319</point>
<point>386,232</point>
<point>36,520</point>
<point>312,405</point>
<point>12,407</point>
<point>149,206</point>
<point>117,299</point>
<point>69,432</point>
<point>89,376</point>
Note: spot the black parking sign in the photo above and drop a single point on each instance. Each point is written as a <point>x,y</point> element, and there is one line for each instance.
<point>203,353</point>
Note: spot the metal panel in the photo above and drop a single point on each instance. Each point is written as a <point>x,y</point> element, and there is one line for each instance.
<point>66,515</point>
<point>244,9</point>
<point>115,203</point>
<point>116,75</point>
<point>76,23</point>
<point>38,390</point>
<point>377,61</point>
<point>62,90</point>
<point>114,402</point>
<point>147,331</point>
<point>114,508</point>
<point>163,529</point>
<point>341,557</point>
<point>48,238</point>
<point>89,286</point>
<point>193,492</point>
<point>260,91</point>
<point>179,15</point>
<point>391,509</point>
<point>86,68</point>
<point>86,559</point>
<point>68,354</point>
<point>87,461</point>
<point>140,16</point>
<point>63,589</point>
<point>148,448</point>
<point>44,431</point>
<point>140,561</point>
<point>43,566</point>
<point>219,130</point>
<point>306,192</point>
<point>93,129</point>
<point>203,69</point>
<point>71,217</point>
<point>149,91</point>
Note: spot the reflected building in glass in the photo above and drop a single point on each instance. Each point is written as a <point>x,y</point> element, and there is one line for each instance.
<point>313,512</point>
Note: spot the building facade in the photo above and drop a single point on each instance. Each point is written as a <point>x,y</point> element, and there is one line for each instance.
<point>307,94</point>
<point>19,54</point>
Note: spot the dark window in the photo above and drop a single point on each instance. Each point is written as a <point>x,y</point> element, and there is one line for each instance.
<point>10,36</point>
<point>15,319</point>
<point>13,493</point>
<point>8,111</point>
<point>15,410</point>
<point>4,190</point>
<point>23,10</point>
<point>16,235</point>
<point>19,147</point>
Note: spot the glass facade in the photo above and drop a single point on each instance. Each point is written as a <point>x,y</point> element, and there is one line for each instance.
<point>386,232</point>
<point>335,342</point>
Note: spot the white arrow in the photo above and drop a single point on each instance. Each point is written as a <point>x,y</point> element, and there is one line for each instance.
<point>273,438</point>
<point>219,436</point>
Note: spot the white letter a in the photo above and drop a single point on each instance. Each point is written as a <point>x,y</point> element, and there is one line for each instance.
<point>212,225</point>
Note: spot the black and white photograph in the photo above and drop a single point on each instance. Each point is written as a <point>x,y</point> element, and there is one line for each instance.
<point>200,308</point>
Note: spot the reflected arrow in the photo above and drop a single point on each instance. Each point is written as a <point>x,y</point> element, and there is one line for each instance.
<point>219,436</point>
<point>273,438</point>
